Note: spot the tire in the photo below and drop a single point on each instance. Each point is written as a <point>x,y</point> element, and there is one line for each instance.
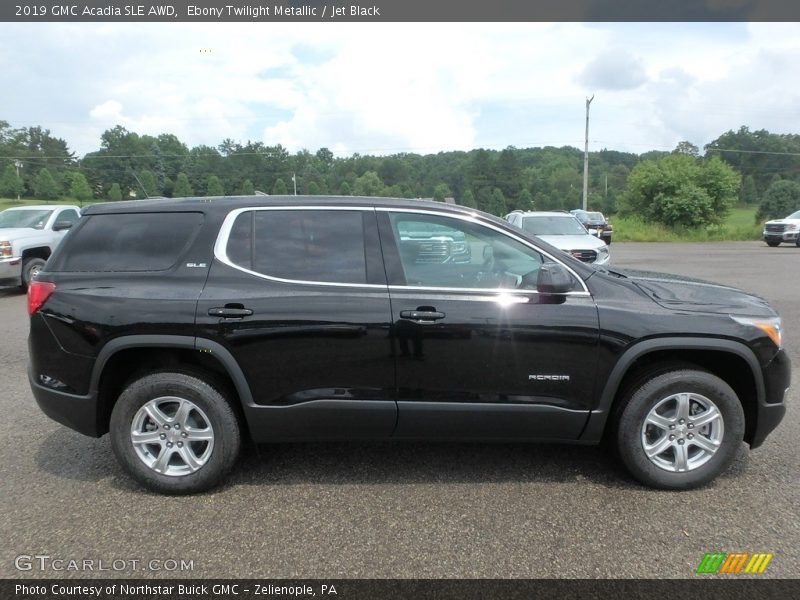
<point>773,243</point>
<point>203,447</point>
<point>695,454</point>
<point>30,267</point>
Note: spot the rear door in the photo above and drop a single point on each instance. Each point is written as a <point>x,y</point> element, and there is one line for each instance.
<point>299,296</point>
<point>480,354</point>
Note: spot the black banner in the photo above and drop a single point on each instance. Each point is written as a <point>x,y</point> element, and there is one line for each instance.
<point>283,11</point>
<point>353,589</point>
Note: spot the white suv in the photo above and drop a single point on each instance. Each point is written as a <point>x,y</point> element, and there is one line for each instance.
<point>565,232</point>
<point>783,230</point>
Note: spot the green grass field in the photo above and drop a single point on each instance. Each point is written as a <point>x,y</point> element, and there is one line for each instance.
<point>740,225</point>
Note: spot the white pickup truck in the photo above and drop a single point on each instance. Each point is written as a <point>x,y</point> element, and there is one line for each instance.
<point>28,236</point>
<point>783,230</point>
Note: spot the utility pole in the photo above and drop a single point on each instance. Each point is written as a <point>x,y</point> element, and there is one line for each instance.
<point>586,156</point>
<point>18,164</point>
<point>294,181</point>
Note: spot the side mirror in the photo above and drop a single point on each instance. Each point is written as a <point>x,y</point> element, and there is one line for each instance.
<point>553,279</point>
<point>62,225</point>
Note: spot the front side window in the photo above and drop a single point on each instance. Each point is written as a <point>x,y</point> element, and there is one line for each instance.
<point>443,252</point>
<point>325,246</point>
<point>69,215</point>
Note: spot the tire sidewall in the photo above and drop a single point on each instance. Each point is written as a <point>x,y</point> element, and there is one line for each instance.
<point>219,412</point>
<point>649,395</point>
<point>27,267</point>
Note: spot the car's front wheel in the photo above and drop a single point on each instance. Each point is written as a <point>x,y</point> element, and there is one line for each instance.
<point>175,433</point>
<point>30,269</point>
<point>679,429</point>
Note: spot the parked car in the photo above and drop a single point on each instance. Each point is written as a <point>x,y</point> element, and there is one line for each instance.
<point>565,232</point>
<point>182,327</point>
<point>28,236</point>
<point>427,243</point>
<point>783,230</point>
<point>596,223</point>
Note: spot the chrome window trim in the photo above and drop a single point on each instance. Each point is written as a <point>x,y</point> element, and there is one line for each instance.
<point>473,218</point>
<point>220,246</point>
<point>220,252</point>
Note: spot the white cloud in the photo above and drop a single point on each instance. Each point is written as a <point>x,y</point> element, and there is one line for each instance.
<point>404,86</point>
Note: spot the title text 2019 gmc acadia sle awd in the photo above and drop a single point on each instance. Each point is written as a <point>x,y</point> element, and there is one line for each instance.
<point>183,326</point>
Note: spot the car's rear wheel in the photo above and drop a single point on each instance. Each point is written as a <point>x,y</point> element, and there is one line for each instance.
<point>679,429</point>
<point>175,433</point>
<point>30,269</point>
<point>773,243</point>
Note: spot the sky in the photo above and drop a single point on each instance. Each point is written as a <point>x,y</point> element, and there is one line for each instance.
<point>403,87</point>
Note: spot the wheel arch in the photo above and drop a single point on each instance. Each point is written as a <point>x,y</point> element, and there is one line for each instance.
<point>42,252</point>
<point>128,357</point>
<point>731,361</point>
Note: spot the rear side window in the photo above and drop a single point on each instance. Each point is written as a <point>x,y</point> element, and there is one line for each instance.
<point>129,242</point>
<point>325,246</point>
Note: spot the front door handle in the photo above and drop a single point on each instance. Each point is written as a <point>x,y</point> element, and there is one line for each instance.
<point>422,316</point>
<point>229,312</point>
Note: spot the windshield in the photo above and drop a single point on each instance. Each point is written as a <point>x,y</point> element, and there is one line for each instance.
<point>33,218</point>
<point>794,215</point>
<point>595,216</point>
<point>553,225</point>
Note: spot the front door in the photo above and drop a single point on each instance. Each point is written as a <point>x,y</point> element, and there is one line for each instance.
<point>480,354</point>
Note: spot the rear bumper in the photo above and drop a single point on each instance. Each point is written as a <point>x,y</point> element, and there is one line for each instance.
<point>74,411</point>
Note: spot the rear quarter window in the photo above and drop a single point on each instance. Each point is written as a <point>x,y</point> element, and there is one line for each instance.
<point>128,242</point>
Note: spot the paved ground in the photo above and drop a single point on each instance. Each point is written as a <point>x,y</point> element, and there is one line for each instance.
<point>423,510</point>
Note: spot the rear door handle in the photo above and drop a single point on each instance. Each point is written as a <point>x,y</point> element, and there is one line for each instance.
<point>229,312</point>
<point>422,316</point>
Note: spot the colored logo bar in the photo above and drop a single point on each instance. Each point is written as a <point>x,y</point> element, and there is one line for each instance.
<point>734,562</point>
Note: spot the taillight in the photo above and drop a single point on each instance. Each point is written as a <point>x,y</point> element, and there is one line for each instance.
<point>38,293</point>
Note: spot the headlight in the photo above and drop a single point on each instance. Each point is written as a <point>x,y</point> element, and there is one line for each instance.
<point>792,227</point>
<point>603,250</point>
<point>5,250</point>
<point>773,327</point>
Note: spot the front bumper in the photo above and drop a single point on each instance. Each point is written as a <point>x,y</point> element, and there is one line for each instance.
<point>74,411</point>
<point>770,411</point>
<point>786,236</point>
<point>10,270</point>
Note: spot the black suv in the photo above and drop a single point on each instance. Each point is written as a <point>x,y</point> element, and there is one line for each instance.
<point>184,326</point>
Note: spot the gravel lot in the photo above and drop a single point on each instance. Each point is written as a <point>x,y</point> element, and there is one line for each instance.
<point>412,510</point>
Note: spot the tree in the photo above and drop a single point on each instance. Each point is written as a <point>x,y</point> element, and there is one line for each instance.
<point>148,181</point>
<point>11,184</point>
<point>44,186</point>
<point>687,148</point>
<point>114,193</point>
<point>781,199</point>
<point>313,188</point>
<point>525,201</point>
<point>79,187</point>
<point>679,190</point>
<point>279,189</point>
<point>441,191</point>
<point>369,184</point>
<point>749,194</point>
<point>344,189</point>
<point>214,186</point>
<point>468,199</point>
<point>248,189</point>
<point>182,188</point>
